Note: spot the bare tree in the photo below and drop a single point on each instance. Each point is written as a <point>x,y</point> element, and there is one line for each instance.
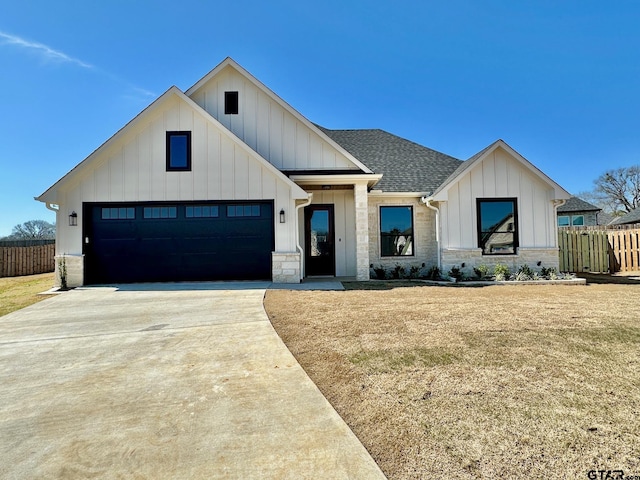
<point>33,229</point>
<point>616,191</point>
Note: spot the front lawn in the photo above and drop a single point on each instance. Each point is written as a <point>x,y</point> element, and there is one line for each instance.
<point>20,292</point>
<point>487,382</point>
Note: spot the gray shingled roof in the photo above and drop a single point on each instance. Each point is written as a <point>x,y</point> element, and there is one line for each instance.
<point>632,217</point>
<point>575,204</point>
<point>405,166</point>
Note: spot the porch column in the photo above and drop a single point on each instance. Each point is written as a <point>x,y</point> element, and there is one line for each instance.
<point>362,231</point>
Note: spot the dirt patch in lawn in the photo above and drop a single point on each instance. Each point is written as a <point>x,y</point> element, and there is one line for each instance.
<point>20,292</point>
<point>499,381</point>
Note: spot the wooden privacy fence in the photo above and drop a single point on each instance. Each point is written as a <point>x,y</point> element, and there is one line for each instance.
<point>27,257</point>
<point>599,249</point>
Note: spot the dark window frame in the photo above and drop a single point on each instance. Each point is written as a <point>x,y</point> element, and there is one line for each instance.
<point>515,230</point>
<point>170,167</point>
<point>231,103</point>
<point>411,238</point>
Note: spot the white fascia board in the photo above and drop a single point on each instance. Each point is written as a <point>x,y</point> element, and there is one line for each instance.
<point>231,62</point>
<point>49,196</point>
<point>559,192</point>
<point>340,179</point>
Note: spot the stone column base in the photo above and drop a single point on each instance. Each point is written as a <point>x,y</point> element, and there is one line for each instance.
<point>71,267</point>
<point>285,267</point>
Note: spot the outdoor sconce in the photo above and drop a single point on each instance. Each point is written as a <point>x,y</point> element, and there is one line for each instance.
<point>73,219</point>
<point>282,215</point>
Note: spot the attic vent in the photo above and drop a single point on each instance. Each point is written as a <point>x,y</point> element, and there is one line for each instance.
<point>231,103</point>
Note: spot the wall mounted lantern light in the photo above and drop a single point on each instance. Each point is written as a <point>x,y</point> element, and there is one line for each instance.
<point>282,215</point>
<point>73,219</point>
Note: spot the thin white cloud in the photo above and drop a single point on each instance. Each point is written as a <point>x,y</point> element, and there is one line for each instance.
<point>52,54</point>
<point>45,50</point>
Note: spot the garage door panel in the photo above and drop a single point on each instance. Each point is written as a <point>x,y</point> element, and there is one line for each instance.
<point>178,247</point>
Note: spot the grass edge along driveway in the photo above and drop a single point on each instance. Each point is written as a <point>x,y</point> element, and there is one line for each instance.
<point>20,292</point>
<point>500,381</point>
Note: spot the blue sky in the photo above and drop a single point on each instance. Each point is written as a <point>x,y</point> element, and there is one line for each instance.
<point>558,81</point>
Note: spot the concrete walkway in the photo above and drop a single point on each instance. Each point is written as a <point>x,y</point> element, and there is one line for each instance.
<point>163,381</point>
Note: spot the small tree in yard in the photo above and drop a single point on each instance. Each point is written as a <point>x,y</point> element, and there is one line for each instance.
<point>33,230</point>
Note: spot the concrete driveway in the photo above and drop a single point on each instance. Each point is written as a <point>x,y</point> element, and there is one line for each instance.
<point>163,381</point>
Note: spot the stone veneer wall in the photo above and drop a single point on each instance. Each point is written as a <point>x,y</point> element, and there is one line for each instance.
<point>285,267</point>
<point>424,232</point>
<point>75,270</point>
<point>472,257</point>
<point>362,231</point>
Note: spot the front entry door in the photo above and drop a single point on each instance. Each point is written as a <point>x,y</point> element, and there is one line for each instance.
<point>320,256</point>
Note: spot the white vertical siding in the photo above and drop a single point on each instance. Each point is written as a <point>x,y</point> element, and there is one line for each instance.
<point>267,127</point>
<point>498,175</point>
<point>133,169</point>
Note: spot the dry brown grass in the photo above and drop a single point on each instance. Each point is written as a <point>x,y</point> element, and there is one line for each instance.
<point>20,292</point>
<point>492,382</point>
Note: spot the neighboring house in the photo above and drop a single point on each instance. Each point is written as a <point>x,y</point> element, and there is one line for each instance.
<point>605,219</point>
<point>228,181</point>
<point>629,218</point>
<point>577,213</point>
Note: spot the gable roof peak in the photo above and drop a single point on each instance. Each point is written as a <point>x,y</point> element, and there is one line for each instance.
<point>466,166</point>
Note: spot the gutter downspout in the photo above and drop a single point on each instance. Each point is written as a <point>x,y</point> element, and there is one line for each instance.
<point>55,208</point>
<point>557,203</point>
<point>298,246</point>
<point>427,201</point>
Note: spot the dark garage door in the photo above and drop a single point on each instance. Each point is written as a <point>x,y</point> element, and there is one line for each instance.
<point>126,243</point>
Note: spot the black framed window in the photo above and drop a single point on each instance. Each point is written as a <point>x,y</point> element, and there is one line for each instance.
<point>231,103</point>
<point>497,225</point>
<point>179,151</point>
<point>396,231</point>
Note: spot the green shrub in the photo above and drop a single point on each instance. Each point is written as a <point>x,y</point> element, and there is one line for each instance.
<point>548,273</point>
<point>456,273</point>
<point>501,270</point>
<point>481,271</point>
<point>397,272</point>
<point>433,273</point>
<point>524,273</point>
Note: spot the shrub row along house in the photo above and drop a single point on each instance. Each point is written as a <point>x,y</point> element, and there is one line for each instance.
<point>228,181</point>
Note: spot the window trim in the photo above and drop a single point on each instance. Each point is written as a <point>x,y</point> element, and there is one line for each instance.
<point>516,227</point>
<point>570,219</point>
<point>413,230</point>
<point>176,133</point>
<point>573,217</point>
<point>231,99</point>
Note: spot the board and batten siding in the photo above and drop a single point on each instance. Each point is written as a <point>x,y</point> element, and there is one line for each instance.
<point>267,127</point>
<point>499,175</point>
<point>133,169</point>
